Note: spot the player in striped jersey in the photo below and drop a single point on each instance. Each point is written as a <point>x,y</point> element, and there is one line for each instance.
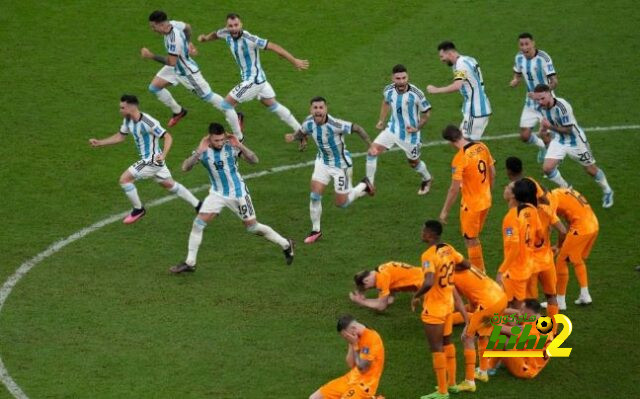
<point>218,153</point>
<point>467,78</point>
<point>179,67</point>
<point>333,161</point>
<point>245,49</point>
<point>568,139</point>
<point>537,68</point>
<point>146,132</point>
<point>410,111</point>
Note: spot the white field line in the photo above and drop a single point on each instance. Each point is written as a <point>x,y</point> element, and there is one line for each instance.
<point>24,268</point>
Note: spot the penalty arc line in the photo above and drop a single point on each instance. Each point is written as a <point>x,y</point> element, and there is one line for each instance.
<point>24,268</point>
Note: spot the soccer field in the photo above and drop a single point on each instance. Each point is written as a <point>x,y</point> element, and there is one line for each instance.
<point>98,315</point>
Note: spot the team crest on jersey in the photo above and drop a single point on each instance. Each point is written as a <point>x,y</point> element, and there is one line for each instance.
<point>508,231</point>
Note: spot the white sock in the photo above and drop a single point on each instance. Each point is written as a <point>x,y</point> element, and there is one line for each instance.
<point>535,140</point>
<point>132,193</point>
<point>195,238</point>
<point>285,115</point>
<point>268,233</point>
<point>372,165</point>
<point>185,194</point>
<point>584,292</point>
<point>229,112</point>
<point>357,192</point>
<point>601,179</point>
<point>166,98</point>
<point>557,178</point>
<point>422,170</point>
<point>315,210</point>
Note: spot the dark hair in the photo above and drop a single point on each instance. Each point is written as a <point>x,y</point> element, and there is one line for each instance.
<point>318,99</point>
<point>525,35</point>
<point>129,99</point>
<point>433,226</point>
<point>359,279</point>
<point>344,321</point>
<point>514,165</point>
<point>233,15</point>
<point>446,45</point>
<point>398,68</point>
<point>451,133</point>
<point>541,88</point>
<point>216,128</point>
<point>532,304</point>
<point>158,16</point>
<point>524,190</point>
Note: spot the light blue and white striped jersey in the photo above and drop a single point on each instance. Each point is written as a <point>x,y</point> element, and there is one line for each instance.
<point>535,71</point>
<point>177,44</point>
<point>222,166</point>
<point>245,50</point>
<point>329,139</point>
<point>146,133</point>
<point>405,111</point>
<point>475,101</point>
<point>561,114</point>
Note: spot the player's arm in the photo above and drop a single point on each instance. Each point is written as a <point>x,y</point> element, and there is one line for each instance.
<point>190,162</point>
<point>492,175</point>
<point>426,285</point>
<point>384,112</point>
<point>459,305</point>
<point>244,151</point>
<point>168,60</point>
<point>362,133</point>
<point>517,78</point>
<point>298,135</point>
<point>562,232</point>
<point>298,63</point>
<point>115,139</point>
<point>208,37</point>
<point>362,364</point>
<point>455,86</point>
<point>424,117</point>
<point>452,194</point>
<point>553,81</point>
<point>168,142</point>
<point>379,304</point>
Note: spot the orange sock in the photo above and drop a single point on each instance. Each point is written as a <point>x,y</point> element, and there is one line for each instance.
<point>440,367</point>
<point>450,351</point>
<point>469,364</point>
<point>482,346</point>
<point>475,256</point>
<point>581,274</point>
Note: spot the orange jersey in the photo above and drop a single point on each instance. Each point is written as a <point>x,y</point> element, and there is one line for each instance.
<point>471,166</point>
<point>521,232</point>
<point>398,276</point>
<point>574,207</point>
<point>548,216</point>
<point>477,287</point>
<point>441,260</point>
<point>371,349</point>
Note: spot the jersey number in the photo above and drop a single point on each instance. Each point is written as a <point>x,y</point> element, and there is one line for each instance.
<point>581,199</point>
<point>446,272</point>
<point>482,168</point>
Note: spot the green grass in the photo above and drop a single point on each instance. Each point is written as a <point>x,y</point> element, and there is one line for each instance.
<point>103,319</point>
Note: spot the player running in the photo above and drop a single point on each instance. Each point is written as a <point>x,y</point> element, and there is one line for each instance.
<point>146,132</point>
<point>179,67</point>
<point>218,153</point>
<point>410,111</point>
<point>333,161</point>
<point>473,173</point>
<point>388,278</point>
<point>467,78</point>
<point>568,139</point>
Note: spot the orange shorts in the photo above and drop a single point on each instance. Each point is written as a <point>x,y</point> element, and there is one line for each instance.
<point>480,321</point>
<point>515,289</point>
<point>577,247</point>
<point>471,222</point>
<point>432,319</point>
<point>340,388</point>
<point>523,367</point>
<point>547,279</point>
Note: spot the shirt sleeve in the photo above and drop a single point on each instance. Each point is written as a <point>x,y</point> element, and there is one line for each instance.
<point>547,66</point>
<point>306,127</point>
<point>346,127</point>
<point>427,263</point>
<point>386,94</point>
<point>383,284</point>
<point>257,41</point>
<point>370,349</point>
<point>510,242</point>
<point>424,105</point>
<point>566,114</point>
<point>457,167</point>
<point>517,65</point>
<point>172,42</point>
<point>123,128</point>
<point>222,33</point>
<point>154,127</point>
<point>460,73</point>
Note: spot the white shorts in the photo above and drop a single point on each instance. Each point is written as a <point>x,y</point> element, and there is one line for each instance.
<point>387,139</point>
<point>529,118</point>
<point>580,153</point>
<point>242,207</point>
<point>473,127</point>
<point>248,90</point>
<point>147,169</point>
<point>341,177</point>
<point>194,82</point>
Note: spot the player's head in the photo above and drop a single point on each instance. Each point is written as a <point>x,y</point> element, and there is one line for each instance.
<point>514,168</point>
<point>543,96</point>
<point>524,190</point>
<point>348,325</point>
<point>159,22</point>
<point>400,77</point>
<point>531,306</point>
<point>452,134</point>
<point>217,135</point>
<point>526,44</point>
<point>365,280</point>
<point>431,231</point>
<point>128,105</point>
<point>508,194</point>
<point>318,109</point>
<point>447,52</point>
<point>234,24</point>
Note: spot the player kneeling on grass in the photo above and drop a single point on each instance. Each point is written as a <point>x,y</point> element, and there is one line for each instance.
<point>146,132</point>
<point>388,279</point>
<point>365,357</point>
<point>218,152</point>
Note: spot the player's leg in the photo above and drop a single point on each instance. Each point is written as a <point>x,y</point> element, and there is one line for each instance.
<point>532,286</point>
<point>166,77</point>
<point>126,181</point>
<point>577,258</point>
<point>555,154</point>
<point>471,224</point>
<point>601,180</point>
<point>476,127</point>
<point>382,143</point>
<point>210,209</point>
<point>412,151</point>
<point>345,192</point>
<point>319,181</point>
<point>332,389</point>
<point>528,120</point>
<point>435,335</point>
<point>163,177</point>
<point>268,98</point>
<point>562,270</point>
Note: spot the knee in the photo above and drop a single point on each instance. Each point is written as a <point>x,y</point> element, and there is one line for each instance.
<point>525,135</point>
<point>413,162</point>
<point>154,89</point>
<point>550,170</point>
<point>342,202</point>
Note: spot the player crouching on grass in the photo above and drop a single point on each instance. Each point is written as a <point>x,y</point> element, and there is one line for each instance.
<point>388,278</point>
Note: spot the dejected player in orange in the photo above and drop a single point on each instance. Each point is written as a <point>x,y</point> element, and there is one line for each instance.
<point>440,298</point>
<point>365,357</point>
<point>388,278</point>
<point>473,172</point>
<point>487,298</point>
<point>582,234</point>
